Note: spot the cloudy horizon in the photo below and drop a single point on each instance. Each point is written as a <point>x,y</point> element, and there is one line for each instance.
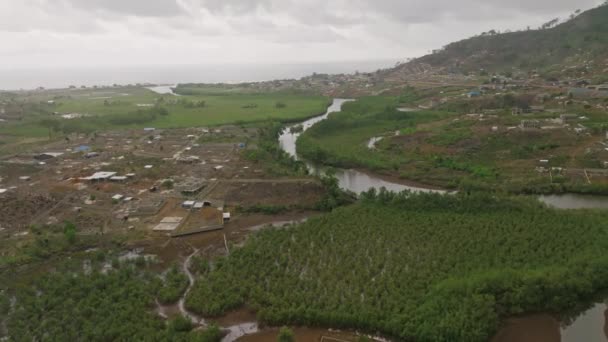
<point>111,33</point>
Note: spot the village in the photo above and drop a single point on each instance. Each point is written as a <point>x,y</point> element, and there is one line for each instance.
<point>148,184</point>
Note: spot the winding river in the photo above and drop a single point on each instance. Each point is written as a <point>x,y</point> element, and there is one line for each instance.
<point>589,326</point>
<point>352,180</point>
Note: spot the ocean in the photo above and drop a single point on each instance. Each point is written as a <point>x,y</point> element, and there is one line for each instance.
<point>31,78</point>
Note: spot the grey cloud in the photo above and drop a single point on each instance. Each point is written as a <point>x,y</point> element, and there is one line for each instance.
<point>281,29</point>
<point>153,8</point>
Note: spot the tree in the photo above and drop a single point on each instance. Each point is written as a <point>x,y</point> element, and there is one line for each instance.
<point>180,324</point>
<point>52,125</point>
<point>69,231</point>
<point>285,335</point>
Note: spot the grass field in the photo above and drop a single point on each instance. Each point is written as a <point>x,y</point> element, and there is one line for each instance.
<point>130,107</point>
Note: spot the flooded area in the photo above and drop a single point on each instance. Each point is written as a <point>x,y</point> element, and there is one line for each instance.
<point>182,301</point>
<point>371,144</point>
<point>407,109</point>
<point>288,139</point>
<point>164,90</point>
<point>351,180</point>
<point>308,334</point>
<point>235,332</point>
<point>590,326</point>
<point>277,224</point>
<point>575,201</point>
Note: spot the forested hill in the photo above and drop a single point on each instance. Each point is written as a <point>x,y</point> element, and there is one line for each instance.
<point>584,37</point>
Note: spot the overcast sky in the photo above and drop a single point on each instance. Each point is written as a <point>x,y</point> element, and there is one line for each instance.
<point>52,33</point>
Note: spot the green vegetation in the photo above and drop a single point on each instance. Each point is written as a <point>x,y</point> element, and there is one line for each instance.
<point>529,49</point>
<point>268,153</point>
<point>134,107</point>
<point>285,335</point>
<point>114,305</point>
<point>174,286</point>
<point>427,267</point>
<point>341,140</point>
<point>465,152</point>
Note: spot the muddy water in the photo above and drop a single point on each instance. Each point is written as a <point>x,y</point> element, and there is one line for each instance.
<point>163,90</point>
<point>181,304</point>
<point>352,180</point>
<point>590,326</point>
<point>574,201</point>
<point>371,144</point>
<point>287,139</point>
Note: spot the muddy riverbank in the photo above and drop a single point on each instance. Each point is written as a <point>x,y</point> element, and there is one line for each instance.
<point>589,326</point>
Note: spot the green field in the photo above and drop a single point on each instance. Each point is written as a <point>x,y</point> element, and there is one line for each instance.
<point>421,267</point>
<point>118,108</point>
<point>342,139</point>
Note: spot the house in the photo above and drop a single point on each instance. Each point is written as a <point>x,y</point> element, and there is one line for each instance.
<point>564,118</point>
<point>188,160</point>
<point>118,178</point>
<point>226,217</point>
<point>82,148</point>
<point>91,155</point>
<point>537,109</point>
<point>188,204</point>
<point>190,187</point>
<point>48,155</point>
<point>580,93</point>
<point>100,176</point>
<point>517,111</point>
<point>580,129</point>
<point>473,93</point>
<point>529,124</point>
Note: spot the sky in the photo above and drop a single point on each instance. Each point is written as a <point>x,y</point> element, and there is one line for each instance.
<point>110,33</point>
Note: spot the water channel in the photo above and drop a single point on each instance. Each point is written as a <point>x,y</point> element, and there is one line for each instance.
<point>352,180</point>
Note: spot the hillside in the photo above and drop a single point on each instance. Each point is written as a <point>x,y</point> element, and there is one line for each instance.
<point>581,39</point>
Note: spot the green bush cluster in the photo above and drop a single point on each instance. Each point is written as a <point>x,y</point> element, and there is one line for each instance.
<point>426,267</point>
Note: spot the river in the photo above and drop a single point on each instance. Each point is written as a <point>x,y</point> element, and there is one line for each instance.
<point>351,180</point>
<point>589,326</point>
